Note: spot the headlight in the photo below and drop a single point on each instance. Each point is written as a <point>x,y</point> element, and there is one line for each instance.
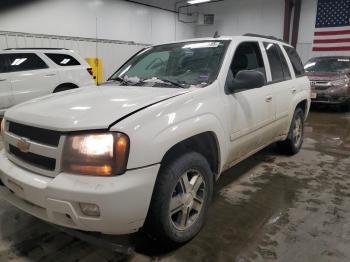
<point>340,82</point>
<point>101,154</point>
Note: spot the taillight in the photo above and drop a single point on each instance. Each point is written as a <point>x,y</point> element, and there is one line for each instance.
<point>90,71</point>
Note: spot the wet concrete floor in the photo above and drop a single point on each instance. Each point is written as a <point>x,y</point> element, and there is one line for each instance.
<point>269,207</point>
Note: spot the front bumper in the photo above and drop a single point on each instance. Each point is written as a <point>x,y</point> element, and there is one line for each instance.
<point>330,100</point>
<point>123,200</point>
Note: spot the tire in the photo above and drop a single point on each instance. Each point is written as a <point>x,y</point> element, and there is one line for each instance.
<point>172,226</point>
<point>295,138</point>
<point>64,88</point>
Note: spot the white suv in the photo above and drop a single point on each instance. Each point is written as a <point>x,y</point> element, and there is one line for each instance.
<point>30,73</point>
<point>146,149</point>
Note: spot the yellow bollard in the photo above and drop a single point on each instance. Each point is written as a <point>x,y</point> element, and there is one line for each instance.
<point>96,65</point>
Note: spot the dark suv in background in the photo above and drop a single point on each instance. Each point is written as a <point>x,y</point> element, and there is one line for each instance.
<point>329,77</point>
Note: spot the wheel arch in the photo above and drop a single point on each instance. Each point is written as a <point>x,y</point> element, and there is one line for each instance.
<point>68,85</point>
<point>303,104</point>
<point>205,143</point>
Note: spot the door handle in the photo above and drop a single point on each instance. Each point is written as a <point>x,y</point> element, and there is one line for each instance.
<point>49,75</point>
<point>268,98</point>
<point>3,79</point>
<point>294,90</point>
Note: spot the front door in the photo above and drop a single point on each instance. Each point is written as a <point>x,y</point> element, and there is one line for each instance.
<point>253,110</point>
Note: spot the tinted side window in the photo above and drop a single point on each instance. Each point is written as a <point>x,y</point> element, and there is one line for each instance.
<point>247,57</point>
<point>275,62</point>
<point>295,60</point>
<point>4,63</point>
<point>24,62</point>
<point>285,66</point>
<point>63,59</point>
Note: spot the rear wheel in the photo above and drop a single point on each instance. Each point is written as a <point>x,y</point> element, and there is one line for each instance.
<point>181,198</point>
<point>295,136</point>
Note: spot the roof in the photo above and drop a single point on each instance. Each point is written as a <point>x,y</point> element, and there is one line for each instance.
<point>36,49</point>
<point>246,37</point>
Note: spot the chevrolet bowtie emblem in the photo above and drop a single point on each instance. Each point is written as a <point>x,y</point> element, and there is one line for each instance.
<point>23,145</point>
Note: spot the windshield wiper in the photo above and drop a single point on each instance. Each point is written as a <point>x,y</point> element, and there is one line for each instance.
<point>174,83</point>
<point>119,79</point>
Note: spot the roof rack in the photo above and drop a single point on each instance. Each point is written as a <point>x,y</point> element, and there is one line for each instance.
<point>36,48</point>
<point>266,36</point>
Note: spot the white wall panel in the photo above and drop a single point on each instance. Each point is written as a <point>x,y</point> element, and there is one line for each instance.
<point>117,20</point>
<point>244,16</point>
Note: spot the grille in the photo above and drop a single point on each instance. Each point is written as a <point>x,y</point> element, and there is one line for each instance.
<point>320,85</point>
<point>40,135</point>
<point>34,159</point>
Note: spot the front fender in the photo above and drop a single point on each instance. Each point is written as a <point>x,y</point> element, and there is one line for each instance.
<point>155,130</point>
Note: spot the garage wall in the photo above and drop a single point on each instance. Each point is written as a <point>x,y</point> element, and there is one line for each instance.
<point>244,16</point>
<point>51,23</point>
<point>262,17</point>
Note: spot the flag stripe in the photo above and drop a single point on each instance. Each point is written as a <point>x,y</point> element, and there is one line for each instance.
<point>340,32</point>
<point>331,41</point>
<point>331,48</point>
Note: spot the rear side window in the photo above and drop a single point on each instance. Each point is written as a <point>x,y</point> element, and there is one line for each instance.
<point>63,59</point>
<point>24,62</point>
<point>275,62</point>
<point>285,66</point>
<point>295,60</point>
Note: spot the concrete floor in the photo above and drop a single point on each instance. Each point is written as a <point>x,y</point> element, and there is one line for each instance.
<point>269,207</point>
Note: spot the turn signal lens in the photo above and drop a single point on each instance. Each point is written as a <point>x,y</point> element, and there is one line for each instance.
<point>105,170</point>
<point>101,154</point>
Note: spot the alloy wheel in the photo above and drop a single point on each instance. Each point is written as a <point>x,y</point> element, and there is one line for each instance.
<point>187,199</point>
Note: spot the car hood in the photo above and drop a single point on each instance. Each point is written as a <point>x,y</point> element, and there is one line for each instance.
<point>88,108</point>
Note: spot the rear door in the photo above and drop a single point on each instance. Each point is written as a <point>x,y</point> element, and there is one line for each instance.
<point>70,69</point>
<point>6,96</point>
<point>282,82</point>
<point>253,110</point>
<point>30,76</point>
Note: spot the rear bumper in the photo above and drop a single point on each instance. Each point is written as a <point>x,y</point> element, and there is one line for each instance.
<point>123,200</point>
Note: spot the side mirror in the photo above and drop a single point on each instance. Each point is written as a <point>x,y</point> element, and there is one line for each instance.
<point>245,79</point>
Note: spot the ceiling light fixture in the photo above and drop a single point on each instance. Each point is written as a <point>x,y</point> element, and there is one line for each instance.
<point>194,2</point>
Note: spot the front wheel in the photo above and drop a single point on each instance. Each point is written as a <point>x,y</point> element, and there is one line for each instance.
<point>181,199</point>
<point>295,137</point>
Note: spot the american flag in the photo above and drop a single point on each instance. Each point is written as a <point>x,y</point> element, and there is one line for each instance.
<point>332,31</point>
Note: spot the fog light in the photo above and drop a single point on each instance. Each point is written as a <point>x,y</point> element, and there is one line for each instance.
<point>89,209</point>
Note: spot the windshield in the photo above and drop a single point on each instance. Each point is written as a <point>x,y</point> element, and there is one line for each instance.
<point>179,65</point>
<point>328,65</point>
